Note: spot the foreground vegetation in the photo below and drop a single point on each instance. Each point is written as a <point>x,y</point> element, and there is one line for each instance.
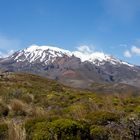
<point>35,108</point>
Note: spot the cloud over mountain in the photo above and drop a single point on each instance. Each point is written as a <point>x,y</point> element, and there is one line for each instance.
<point>134,51</point>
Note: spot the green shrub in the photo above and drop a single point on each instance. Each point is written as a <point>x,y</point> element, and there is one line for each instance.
<point>130,100</point>
<point>3,131</point>
<point>129,109</point>
<point>137,110</point>
<point>115,101</point>
<point>78,111</point>
<point>98,133</point>
<point>61,129</point>
<point>56,87</point>
<point>102,117</point>
<point>40,132</point>
<point>65,129</point>
<point>30,126</point>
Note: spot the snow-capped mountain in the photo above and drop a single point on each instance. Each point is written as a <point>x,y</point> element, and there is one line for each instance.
<point>48,54</point>
<point>74,68</point>
<point>45,54</point>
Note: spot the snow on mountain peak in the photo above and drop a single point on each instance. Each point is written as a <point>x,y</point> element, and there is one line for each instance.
<point>44,54</point>
<point>43,48</point>
<point>91,56</point>
<point>48,54</point>
<point>84,53</point>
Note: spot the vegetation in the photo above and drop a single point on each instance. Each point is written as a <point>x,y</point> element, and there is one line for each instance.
<point>35,108</point>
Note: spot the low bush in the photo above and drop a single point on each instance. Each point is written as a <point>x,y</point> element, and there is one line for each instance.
<point>102,117</point>
<point>98,133</point>
<point>30,126</point>
<point>3,131</point>
<point>61,129</point>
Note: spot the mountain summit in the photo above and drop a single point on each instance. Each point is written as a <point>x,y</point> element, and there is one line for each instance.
<point>77,68</point>
<point>47,54</point>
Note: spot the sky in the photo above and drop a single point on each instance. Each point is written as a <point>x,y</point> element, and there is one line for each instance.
<point>109,26</point>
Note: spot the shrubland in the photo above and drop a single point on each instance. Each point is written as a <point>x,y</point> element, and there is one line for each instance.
<point>35,108</point>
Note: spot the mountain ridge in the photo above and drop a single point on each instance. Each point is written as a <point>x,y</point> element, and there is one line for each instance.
<point>76,69</point>
<point>33,52</point>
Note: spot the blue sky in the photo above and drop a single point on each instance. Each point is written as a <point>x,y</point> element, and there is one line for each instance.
<point>111,26</point>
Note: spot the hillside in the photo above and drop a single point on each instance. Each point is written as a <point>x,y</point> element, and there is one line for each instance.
<point>35,108</point>
<point>76,69</point>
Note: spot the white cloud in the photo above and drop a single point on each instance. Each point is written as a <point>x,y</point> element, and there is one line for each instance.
<point>135,50</point>
<point>85,49</point>
<point>8,43</point>
<point>6,54</point>
<point>127,54</point>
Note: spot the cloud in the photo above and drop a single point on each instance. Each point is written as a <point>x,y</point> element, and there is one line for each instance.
<point>8,45</point>
<point>85,49</point>
<point>6,54</point>
<point>134,51</point>
<point>127,54</point>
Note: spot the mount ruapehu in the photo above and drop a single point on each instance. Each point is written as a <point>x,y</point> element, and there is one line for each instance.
<point>76,69</point>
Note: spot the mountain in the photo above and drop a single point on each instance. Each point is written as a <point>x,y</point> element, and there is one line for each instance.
<point>80,69</point>
<point>47,54</point>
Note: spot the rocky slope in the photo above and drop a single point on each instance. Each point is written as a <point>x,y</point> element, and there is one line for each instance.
<point>76,69</point>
